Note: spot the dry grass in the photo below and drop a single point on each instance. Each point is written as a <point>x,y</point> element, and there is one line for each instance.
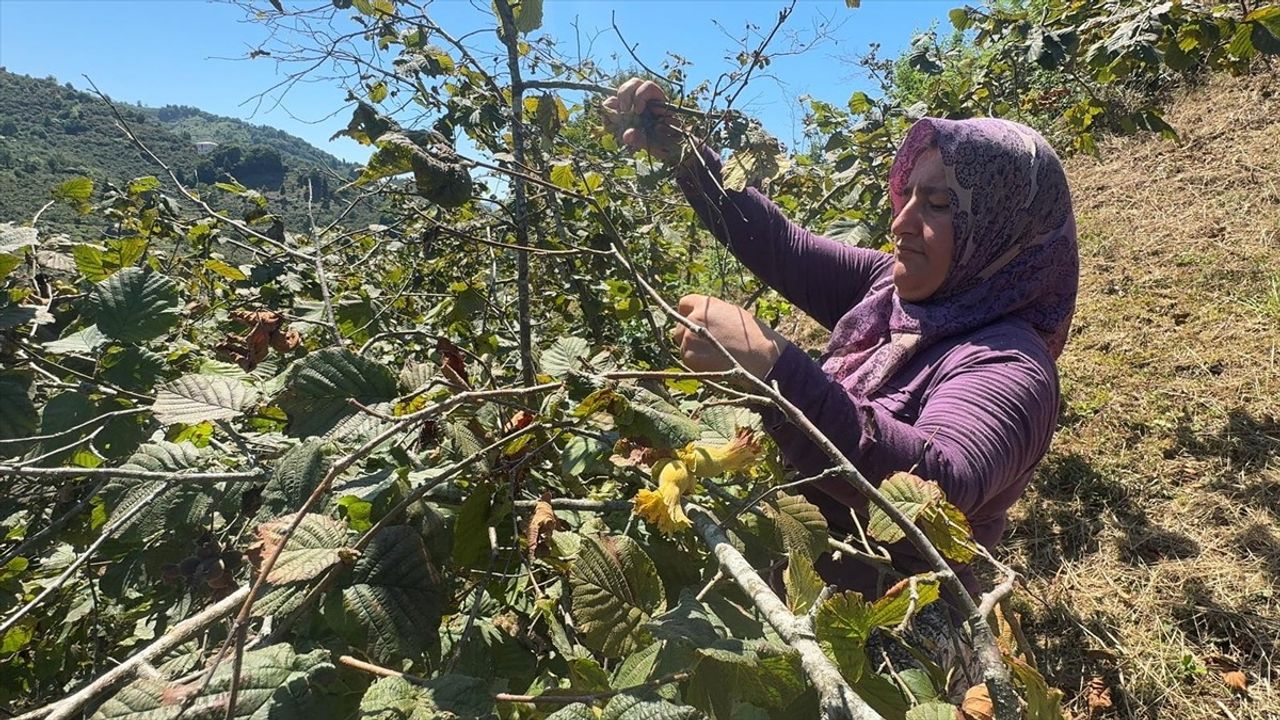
<point>1151,537</point>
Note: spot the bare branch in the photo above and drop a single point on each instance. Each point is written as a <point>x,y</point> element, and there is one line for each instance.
<point>836,698</point>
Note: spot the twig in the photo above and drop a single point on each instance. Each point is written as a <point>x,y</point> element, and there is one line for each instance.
<point>58,451</point>
<point>998,593</point>
<point>509,39</point>
<point>129,474</point>
<point>328,304</point>
<point>107,532</point>
<point>580,504</point>
<point>836,698</point>
<point>512,698</point>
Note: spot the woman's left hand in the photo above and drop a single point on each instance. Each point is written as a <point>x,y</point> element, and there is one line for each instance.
<point>752,343</point>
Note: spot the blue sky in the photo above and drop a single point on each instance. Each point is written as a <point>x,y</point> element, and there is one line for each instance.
<point>190,52</point>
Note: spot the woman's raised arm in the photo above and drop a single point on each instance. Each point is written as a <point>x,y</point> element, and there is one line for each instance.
<point>822,277</point>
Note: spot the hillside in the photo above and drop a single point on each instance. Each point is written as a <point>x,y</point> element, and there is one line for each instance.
<point>50,132</point>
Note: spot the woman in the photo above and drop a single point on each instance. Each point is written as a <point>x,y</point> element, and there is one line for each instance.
<point>942,354</point>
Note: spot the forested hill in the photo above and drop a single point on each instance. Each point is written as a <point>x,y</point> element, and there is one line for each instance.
<point>50,132</point>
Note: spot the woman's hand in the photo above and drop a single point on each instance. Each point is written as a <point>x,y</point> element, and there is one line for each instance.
<point>637,116</point>
<point>752,343</point>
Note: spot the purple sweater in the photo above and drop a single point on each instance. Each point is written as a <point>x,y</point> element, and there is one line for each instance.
<point>973,412</point>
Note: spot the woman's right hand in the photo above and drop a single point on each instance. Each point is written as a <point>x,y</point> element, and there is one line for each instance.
<point>637,115</point>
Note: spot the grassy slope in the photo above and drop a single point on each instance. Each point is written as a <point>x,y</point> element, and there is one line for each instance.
<point>1151,537</point>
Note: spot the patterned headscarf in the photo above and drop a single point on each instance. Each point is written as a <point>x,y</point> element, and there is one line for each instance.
<point>1015,251</point>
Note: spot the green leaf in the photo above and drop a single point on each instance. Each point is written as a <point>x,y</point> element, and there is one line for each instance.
<point>615,590</point>
<point>471,528</point>
<point>566,355</point>
<point>898,603</point>
<point>802,529</point>
<point>144,184</point>
<point>275,682</point>
<point>132,368</point>
<point>449,696</point>
<point>948,529</point>
<point>910,495</point>
<point>1043,702</point>
<point>64,411</point>
<point>842,625</point>
<point>15,237</point>
<point>18,416</point>
<point>193,399</point>
<point>637,667</point>
<point>135,305</point>
<point>688,622</point>
<point>860,103</point>
<point>91,262</point>
<point>229,272</point>
<point>575,711</point>
<point>802,582</point>
<point>82,342</point>
<point>396,595</point>
<point>76,192</point>
<point>764,674</point>
<point>562,175</point>
<point>182,507</point>
<point>720,423</point>
<point>882,693</point>
<point>315,546</point>
<point>646,415</point>
<point>12,316</point>
<point>7,265</point>
<point>321,384</point>
<point>634,707</point>
<point>1266,37</point>
<point>932,711</point>
<point>295,476</point>
<point>752,165</point>
<point>527,14</point>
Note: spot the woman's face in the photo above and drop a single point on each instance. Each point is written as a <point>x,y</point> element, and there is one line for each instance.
<point>924,238</point>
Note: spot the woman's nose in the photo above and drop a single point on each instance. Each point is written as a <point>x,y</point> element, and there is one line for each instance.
<point>907,221</point>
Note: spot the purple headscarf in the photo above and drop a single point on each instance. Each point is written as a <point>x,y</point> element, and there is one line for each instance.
<point>1015,251</point>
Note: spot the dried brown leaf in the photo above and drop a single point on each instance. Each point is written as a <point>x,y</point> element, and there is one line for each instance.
<point>542,525</point>
<point>286,341</point>
<point>1236,680</point>
<point>454,364</point>
<point>1097,695</point>
<point>977,704</point>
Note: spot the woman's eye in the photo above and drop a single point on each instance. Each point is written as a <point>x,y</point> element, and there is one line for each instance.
<point>945,205</point>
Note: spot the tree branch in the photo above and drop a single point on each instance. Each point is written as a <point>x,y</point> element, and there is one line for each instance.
<point>837,699</point>
<point>509,39</point>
